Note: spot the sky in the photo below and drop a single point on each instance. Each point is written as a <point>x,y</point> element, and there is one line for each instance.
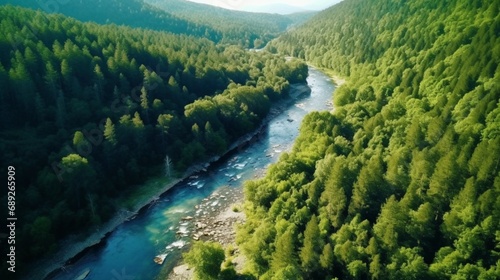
<point>249,5</point>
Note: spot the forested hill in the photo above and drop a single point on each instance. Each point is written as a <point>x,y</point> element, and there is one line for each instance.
<point>401,180</point>
<point>253,29</point>
<point>133,13</point>
<point>88,112</point>
<point>176,16</point>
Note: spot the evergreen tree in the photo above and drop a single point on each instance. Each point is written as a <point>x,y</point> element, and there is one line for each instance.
<point>311,251</point>
<point>285,254</point>
<point>109,132</point>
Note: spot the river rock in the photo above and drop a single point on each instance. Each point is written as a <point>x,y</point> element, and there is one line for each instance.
<point>200,225</point>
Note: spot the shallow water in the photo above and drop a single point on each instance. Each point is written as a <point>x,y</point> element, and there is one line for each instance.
<point>128,252</point>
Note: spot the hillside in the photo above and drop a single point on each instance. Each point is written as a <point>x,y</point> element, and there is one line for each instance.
<point>402,180</point>
<point>88,112</point>
<point>133,13</point>
<point>253,29</point>
<point>175,16</point>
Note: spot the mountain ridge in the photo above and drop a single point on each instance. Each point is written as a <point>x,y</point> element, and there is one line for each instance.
<point>179,17</point>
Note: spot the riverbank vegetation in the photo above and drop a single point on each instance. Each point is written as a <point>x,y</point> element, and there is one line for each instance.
<point>402,181</point>
<point>88,112</point>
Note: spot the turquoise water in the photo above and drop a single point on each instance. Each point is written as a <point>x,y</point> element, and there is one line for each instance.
<point>128,252</point>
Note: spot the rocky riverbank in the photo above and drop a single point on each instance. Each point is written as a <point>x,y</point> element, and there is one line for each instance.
<point>216,218</point>
<point>73,247</point>
<point>219,228</point>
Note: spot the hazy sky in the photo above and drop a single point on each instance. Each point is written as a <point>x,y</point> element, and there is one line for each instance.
<point>247,4</point>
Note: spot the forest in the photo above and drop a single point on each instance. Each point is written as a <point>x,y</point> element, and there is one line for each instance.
<point>252,30</point>
<point>89,112</point>
<point>402,179</point>
<point>249,30</point>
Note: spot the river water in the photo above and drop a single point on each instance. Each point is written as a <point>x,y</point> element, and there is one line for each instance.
<point>128,252</point>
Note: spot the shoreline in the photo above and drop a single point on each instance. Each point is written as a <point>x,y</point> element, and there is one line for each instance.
<point>46,268</point>
<point>220,228</point>
<point>76,248</point>
<point>337,80</point>
<point>223,223</point>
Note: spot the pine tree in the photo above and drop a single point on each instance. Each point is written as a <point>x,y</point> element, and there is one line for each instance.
<point>109,132</point>
<point>311,251</point>
<point>284,254</point>
<point>145,102</point>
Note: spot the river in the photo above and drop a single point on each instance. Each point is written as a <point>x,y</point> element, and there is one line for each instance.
<point>161,228</point>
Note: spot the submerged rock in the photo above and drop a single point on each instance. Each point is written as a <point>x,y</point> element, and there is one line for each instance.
<point>160,258</point>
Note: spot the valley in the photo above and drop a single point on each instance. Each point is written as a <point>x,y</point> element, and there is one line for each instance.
<point>139,110</point>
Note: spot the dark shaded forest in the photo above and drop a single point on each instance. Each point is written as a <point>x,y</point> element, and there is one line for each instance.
<point>401,180</point>
<point>88,112</point>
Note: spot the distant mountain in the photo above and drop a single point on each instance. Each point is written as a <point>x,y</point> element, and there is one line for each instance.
<point>256,29</point>
<point>175,16</point>
<point>133,13</point>
<point>271,6</point>
<point>282,9</point>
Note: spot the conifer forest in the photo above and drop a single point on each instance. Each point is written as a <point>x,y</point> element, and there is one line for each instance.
<point>401,180</point>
